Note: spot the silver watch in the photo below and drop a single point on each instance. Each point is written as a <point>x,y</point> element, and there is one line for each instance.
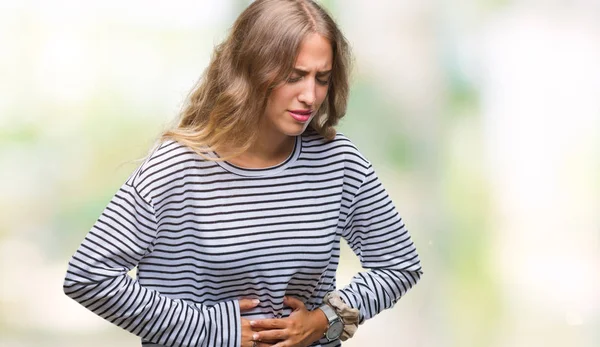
<point>336,325</point>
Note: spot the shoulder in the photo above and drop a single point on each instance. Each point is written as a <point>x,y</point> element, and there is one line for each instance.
<point>316,146</point>
<point>166,161</point>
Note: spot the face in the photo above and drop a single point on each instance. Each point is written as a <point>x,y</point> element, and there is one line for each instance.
<point>292,105</point>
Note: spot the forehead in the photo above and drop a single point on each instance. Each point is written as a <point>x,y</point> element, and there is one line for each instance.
<point>315,54</point>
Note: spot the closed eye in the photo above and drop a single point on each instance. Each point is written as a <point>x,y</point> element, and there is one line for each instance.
<point>294,79</point>
<point>323,82</point>
<point>298,78</point>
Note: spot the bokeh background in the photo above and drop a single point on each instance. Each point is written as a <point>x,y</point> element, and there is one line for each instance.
<point>481,117</point>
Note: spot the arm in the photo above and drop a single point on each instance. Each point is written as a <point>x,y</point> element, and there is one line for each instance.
<point>97,278</point>
<point>378,236</point>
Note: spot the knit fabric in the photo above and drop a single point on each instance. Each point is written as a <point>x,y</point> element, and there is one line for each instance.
<point>204,234</point>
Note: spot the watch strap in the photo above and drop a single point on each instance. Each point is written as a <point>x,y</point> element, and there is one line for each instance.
<point>350,316</point>
<point>335,324</point>
<point>329,313</point>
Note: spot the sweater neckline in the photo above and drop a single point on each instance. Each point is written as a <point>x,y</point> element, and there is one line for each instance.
<point>266,171</point>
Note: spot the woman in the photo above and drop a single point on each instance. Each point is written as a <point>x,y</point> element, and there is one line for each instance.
<point>234,220</point>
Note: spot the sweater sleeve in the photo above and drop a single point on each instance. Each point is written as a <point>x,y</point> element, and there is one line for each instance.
<point>378,236</point>
<point>97,278</point>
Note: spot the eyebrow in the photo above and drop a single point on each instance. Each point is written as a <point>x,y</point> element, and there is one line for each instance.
<point>304,72</point>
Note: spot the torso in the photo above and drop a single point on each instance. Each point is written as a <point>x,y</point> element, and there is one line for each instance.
<point>226,232</point>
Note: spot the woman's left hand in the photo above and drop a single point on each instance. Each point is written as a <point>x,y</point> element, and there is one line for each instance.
<point>300,329</point>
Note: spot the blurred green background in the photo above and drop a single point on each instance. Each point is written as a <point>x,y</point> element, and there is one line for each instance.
<point>482,119</point>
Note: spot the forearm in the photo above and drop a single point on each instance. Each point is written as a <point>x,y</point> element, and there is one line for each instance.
<point>378,289</point>
<point>150,315</point>
<point>378,236</point>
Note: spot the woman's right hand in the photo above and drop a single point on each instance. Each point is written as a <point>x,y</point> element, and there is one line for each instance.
<point>247,332</point>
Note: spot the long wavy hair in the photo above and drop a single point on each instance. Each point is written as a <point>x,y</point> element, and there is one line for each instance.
<point>223,111</point>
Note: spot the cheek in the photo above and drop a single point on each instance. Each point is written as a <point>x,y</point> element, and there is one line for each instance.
<point>282,96</point>
<point>273,104</point>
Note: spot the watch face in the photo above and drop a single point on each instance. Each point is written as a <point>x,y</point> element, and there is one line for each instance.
<point>335,330</point>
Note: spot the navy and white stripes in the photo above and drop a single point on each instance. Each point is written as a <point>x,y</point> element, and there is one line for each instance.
<point>204,234</point>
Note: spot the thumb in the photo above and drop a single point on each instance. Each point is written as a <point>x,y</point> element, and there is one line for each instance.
<point>294,303</point>
<point>247,304</point>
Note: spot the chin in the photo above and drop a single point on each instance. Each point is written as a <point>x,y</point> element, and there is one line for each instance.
<point>294,130</point>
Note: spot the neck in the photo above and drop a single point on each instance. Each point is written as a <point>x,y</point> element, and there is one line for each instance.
<point>265,152</point>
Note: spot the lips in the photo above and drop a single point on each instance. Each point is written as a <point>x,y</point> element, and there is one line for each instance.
<point>301,115</point>
<point>302,112</point>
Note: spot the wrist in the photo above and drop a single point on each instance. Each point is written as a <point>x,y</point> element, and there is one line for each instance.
<point>335,325</point>
<point>321,322</point>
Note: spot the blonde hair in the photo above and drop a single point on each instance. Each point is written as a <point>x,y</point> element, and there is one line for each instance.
<point>223,110</point>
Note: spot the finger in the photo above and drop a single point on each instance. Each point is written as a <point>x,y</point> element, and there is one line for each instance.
<point>271,335</point>
<point>266,342</point>
<point>246,333</point>
<point>247,304</point>
<point>260,344</point>
<point>266,324</point>
<point>263,344</point>
<point>294,303</point>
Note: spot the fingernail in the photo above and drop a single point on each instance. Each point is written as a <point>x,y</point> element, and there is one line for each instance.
<point>252,323</point>
<point>255,337</point>
<point>256,301</point>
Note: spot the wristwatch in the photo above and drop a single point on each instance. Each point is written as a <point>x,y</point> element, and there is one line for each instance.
<point>336,326</point>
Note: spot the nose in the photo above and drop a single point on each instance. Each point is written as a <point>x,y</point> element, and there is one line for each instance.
<point>308,93</point>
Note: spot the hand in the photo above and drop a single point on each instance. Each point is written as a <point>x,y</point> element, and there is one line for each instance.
<point>247,332</point>
<point>300,329</point>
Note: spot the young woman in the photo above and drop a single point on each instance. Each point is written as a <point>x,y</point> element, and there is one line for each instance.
<point>234,220</point>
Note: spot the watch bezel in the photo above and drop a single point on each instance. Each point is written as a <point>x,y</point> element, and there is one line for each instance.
<point>335,330</point>
<point>335,324</point>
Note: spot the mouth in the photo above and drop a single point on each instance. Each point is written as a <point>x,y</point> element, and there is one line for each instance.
<point>301,116</point>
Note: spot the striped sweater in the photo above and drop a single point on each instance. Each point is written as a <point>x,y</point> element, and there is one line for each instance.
<point>205,233</point>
